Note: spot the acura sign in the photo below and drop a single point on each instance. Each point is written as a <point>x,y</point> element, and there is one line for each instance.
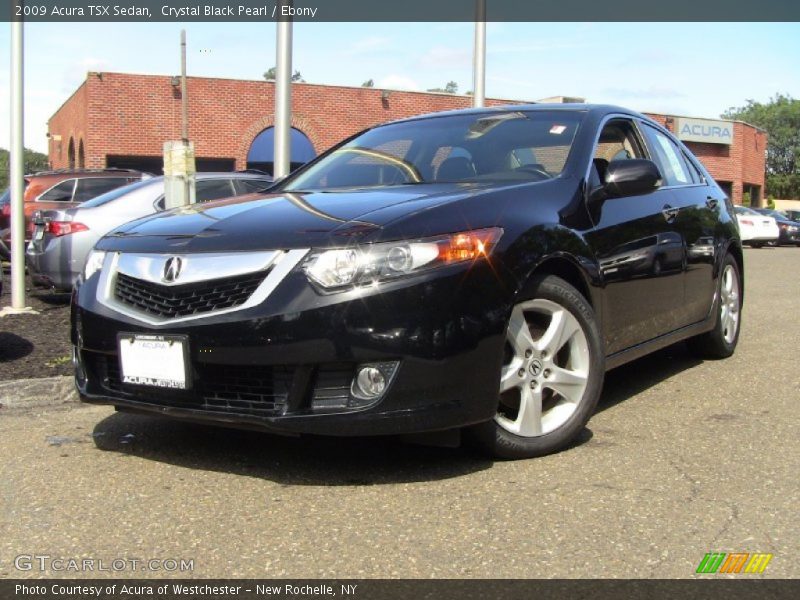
<point>704,130</point>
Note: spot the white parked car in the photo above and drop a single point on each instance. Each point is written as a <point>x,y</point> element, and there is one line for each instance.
<point>756,229</point>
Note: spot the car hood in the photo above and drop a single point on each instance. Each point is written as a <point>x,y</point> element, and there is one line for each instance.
<point>283,220</point>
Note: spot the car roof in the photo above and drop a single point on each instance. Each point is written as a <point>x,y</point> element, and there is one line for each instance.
<point>74,173</point>
<point>599,110</point>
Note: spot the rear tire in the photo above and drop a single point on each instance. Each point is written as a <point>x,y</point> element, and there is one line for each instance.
<point>721,341</point>
<point>552,376</point>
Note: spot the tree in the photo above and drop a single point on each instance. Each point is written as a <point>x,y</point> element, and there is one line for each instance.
<point>368,83</point>
<point>34,161</point>
<point>780,117</point>
<point>270,74</point>
<point>450,88</point>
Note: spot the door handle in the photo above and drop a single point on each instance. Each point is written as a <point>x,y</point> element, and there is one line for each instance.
<point>670,213</point>
<point>712,203</point>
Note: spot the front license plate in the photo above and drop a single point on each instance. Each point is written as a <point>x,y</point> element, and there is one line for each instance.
<point>155,360</point>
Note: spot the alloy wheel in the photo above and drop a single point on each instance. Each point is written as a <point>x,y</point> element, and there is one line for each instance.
<point>546,370</point>
<point>729,304</point>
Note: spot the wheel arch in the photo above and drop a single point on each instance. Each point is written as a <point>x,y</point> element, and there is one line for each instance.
<point>735,250</point>
<point>566,267</point>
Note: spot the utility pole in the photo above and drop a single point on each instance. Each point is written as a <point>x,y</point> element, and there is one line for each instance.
<point>283,99</point>
<point>184,96</point>
<point>479,56</point>
<point>17,175</point>
<point>179,166</point>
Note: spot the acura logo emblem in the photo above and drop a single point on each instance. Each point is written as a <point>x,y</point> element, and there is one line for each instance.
<point>172,269</point>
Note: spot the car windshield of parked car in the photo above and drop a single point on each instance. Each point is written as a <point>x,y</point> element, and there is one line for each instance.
<point>743,210</point>
<point>115,193</point>
<point>501,147</point>
<point>6,197</point>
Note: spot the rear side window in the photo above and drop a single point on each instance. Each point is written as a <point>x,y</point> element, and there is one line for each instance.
<point>92,187</point>
<point>697,176</point>
<point>213,189</point>
<point>668,157</point>
<point>59,193</point>
<point>248,186</point>
<point>119,192</point>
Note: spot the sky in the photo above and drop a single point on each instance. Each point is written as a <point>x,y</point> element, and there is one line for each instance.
<point>690,69</point>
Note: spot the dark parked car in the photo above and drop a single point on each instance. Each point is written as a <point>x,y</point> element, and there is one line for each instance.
<point>793,215</point>
<point>438,273</point>
<point>788,230</point>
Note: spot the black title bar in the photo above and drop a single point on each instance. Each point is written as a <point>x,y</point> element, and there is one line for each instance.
<point>146,11</point>
<point>706,588</point>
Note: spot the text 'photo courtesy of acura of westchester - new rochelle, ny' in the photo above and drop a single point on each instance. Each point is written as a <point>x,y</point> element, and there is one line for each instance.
<point>474,271</point>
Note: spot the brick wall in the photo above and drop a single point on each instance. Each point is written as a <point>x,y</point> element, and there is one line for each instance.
<point>71,123</point>
<point>136,114</point>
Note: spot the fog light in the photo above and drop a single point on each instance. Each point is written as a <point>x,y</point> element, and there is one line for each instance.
<point>372,380</point>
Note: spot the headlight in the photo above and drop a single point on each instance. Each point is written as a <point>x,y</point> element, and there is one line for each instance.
<point>94,262</point>
<point>380,262</point>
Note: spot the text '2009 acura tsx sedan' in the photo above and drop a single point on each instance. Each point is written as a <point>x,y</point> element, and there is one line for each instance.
<point>475,270</point>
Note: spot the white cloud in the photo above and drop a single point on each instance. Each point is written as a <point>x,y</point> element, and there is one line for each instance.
<point>446,57</point>
<point>368,45</point>
<point>648,93</point>
<point>398,82</point>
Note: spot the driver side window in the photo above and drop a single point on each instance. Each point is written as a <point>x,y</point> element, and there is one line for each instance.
<point>618,141</point>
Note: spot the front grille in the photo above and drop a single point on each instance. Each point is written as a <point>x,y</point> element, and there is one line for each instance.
<point>244,390</point>
<point>247,389</point>
<point>170,302</point>
<point>231,389</point>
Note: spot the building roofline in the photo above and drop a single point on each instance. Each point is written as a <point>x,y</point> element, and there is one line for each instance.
<point>305,83</point>
<point>650,112</point>
<point>70,97</point>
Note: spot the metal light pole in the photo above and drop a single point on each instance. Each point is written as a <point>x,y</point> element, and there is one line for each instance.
<point>184,97</point>
<point>179,161</point>
<point>283,100</point>
<point>479,55</point>
<point>17,173</point>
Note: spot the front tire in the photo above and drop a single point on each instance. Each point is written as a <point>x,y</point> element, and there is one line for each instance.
<point>721,341</point>
<point>551,377</point>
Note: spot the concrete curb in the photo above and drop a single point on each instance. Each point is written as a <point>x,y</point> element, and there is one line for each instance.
<point>35,393</point>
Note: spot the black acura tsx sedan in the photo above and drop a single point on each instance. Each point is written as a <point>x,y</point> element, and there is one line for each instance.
<point>474,271</point>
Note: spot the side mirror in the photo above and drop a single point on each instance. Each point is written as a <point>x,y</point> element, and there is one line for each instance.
<point>631,177</point>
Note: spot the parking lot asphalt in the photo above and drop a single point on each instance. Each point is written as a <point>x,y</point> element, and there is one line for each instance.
<point>684,457</point>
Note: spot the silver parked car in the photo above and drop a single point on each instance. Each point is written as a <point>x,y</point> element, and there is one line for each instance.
<point>62,239</point>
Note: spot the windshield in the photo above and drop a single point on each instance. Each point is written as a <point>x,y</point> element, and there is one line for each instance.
<point>118,192</point>
<point>743,210</point>
<point>6,197</point>
<point>494,147</point>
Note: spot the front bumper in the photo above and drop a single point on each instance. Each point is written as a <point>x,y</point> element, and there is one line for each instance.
<point>287,364</point>
<point>789,237</point>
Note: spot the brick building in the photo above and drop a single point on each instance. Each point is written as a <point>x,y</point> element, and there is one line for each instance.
<point>735,155</point>
<point>123,120</point>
